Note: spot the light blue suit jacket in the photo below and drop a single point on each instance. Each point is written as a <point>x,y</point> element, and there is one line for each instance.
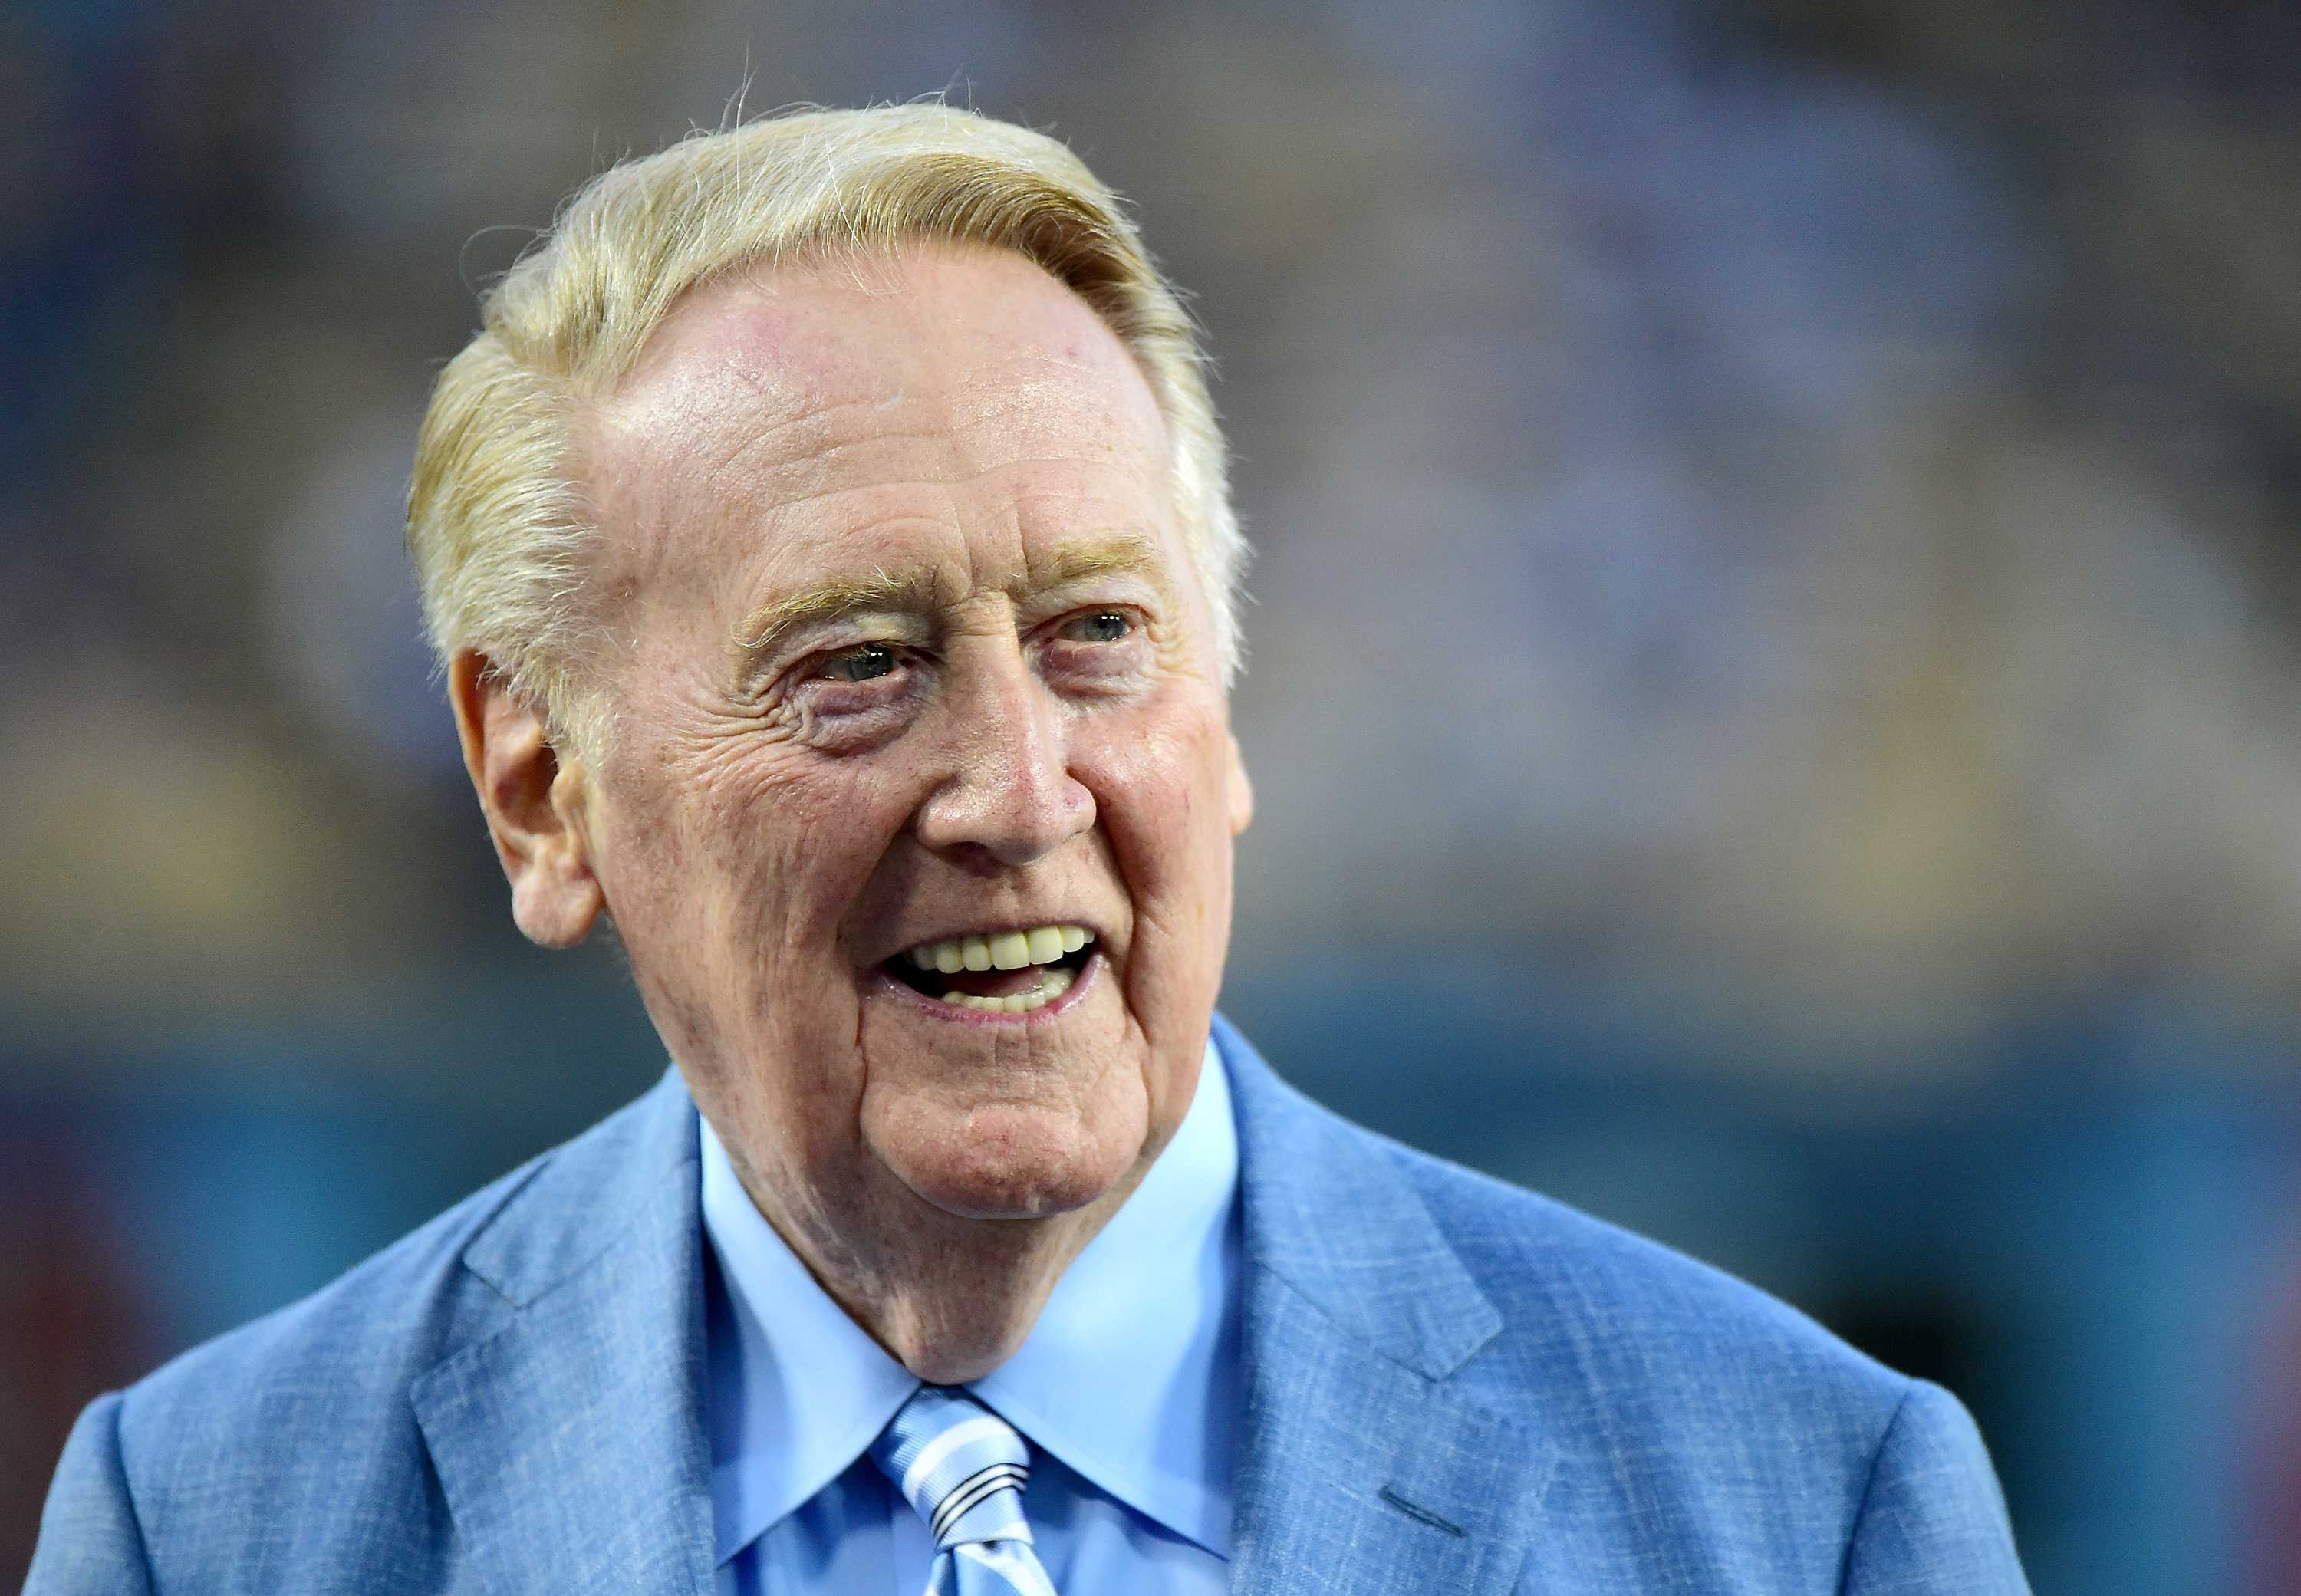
<point>1451,1385</point>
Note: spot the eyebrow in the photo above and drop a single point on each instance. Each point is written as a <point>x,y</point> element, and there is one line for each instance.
<point>1122,554</point>
<point>913,592</point>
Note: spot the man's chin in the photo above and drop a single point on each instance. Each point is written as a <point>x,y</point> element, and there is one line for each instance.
<point>1003,1194</point>
<point>1008,1160</point>
<point>1003,1137</point>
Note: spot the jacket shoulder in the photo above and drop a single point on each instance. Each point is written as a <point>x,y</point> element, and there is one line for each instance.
<point>1577,1289</point>
<point>1687,1421</point>
<point>310,1405</point>
<point>1564,1295</point>
<point>1702,1420</point>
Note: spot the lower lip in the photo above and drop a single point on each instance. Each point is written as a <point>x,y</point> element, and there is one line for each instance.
<point>952,1012</point>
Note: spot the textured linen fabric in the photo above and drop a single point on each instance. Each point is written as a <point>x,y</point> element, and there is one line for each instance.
<point>1127,1388</point>
<point>1450,1385</point>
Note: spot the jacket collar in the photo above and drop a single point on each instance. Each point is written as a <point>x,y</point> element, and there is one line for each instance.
<point>1358,1312</point>
<point>570,1443</point>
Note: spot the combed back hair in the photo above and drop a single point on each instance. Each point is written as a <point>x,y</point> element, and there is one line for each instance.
<point>497,518</point>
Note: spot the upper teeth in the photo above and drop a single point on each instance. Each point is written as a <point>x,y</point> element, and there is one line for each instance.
<point>1008,950</point>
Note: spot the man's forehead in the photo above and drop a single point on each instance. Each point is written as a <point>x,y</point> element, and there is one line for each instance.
<point>798,441</point>
<point>809,338</point>
<point>762,393</point>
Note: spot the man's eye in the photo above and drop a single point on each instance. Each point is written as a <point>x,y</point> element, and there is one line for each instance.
<point>860,663</point>
<point>1104,626</point>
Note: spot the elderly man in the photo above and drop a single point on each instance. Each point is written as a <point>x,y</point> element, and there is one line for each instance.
<point>827,538</point>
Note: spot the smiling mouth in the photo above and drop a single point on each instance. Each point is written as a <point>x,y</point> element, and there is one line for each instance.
<point>1015,972</point>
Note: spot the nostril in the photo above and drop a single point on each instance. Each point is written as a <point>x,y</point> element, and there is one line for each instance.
<point>1006,817</point>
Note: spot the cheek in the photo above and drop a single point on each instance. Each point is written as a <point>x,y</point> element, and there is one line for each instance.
<point>1162,791</point>
<point>1160,785</point>
<point>736,853</point>
<point>1166,815</point>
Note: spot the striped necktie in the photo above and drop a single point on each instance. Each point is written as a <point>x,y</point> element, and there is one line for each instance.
<point>964,1467</point>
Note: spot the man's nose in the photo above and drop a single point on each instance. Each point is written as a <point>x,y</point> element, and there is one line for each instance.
<point>1009,794</point>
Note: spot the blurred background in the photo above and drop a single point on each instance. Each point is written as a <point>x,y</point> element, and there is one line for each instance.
<point>1775,681</point>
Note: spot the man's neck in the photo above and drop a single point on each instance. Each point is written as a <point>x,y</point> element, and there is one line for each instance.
<point>948,1297</point>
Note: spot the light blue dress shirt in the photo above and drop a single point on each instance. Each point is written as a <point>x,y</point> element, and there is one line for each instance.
<point>1128,1390</point>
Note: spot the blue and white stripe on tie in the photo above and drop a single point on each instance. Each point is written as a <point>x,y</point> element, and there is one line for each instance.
<point>963,1468</point>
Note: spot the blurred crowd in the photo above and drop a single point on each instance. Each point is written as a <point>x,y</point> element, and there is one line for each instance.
<point>1787,508</point>
<point>1799,485</point>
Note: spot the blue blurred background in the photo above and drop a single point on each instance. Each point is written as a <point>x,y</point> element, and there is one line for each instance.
<point>1776,685</point>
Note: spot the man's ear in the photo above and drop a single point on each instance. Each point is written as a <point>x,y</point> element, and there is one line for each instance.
<point>533,802</point>
<point>1239,790</point>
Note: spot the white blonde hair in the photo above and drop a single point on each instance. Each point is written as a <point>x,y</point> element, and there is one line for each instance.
<point>496,516</point>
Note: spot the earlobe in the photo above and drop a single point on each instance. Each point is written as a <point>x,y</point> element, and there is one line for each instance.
<point>1240,791</point>
<point>535,804</point>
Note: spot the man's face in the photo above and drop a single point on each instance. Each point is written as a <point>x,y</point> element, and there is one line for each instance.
<point>911,653</point>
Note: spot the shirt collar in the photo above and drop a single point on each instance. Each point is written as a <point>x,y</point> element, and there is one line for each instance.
<point>796,1390</point>
<point>1130,1376</point>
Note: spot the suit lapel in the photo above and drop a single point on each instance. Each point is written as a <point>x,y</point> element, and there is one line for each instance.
<point>570,1443</point>
<point>1360,1469</point>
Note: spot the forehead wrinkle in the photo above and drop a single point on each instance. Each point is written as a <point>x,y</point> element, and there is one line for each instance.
<point>816,482</point>
<point>803,439</point>
<point>809,452</point>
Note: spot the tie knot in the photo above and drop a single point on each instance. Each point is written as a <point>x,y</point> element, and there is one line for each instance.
<point>960,1466</point>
